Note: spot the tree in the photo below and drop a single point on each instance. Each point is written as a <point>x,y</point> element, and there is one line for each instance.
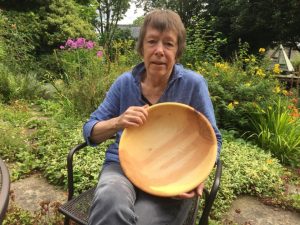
<point>139,21</point>
<point>189,11</point>
<point>110,13</point>
<point>260,23</point>
<point>62,21</point>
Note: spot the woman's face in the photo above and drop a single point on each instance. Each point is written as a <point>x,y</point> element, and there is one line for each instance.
<point>159,52</point>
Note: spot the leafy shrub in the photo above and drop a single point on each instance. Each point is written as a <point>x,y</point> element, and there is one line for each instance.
<point>276,128</point>
<point>86,73</point>
<point>236,88</point>
<point>20,39</point>
<point>247,169</point>
<point>15,87</point>
<point>202,44</point>
<point>15,145</point>
<point>123,52</point>
<point>296,63</point>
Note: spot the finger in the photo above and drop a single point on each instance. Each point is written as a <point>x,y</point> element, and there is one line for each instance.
<point>200,188</point>
<point>185,195</point>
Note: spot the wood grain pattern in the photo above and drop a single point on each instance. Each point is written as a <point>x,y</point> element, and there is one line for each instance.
<point>173,152</point>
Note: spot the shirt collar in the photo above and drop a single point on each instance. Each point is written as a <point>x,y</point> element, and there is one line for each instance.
<point>138,70</point>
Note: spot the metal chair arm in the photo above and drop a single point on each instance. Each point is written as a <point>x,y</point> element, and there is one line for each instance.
<point>210,196</point>
<point>4,190</point>
<point>70,168</point>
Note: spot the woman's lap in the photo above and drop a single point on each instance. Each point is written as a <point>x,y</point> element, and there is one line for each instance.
<point>118,202</point>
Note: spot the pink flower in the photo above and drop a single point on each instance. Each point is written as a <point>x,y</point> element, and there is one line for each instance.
<point>89,45</point>
<point>73,45</point>
<point>69,42</point>
<point>62,47</point>
<point>99,54</point>
<point>80,42</point>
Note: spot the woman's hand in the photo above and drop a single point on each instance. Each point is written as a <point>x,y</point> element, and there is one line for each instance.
<point>197,191</point>
<point>133,116</point>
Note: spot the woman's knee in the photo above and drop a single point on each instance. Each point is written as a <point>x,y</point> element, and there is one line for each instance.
<point>115,192</point>
<point>114,200</point>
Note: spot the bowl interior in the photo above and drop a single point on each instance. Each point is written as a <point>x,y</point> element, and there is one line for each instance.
<point>173,152</point>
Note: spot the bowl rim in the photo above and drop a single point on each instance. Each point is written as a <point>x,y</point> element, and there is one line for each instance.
<point>190,187</point>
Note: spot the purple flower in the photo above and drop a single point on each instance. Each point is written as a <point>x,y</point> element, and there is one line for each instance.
<point>99,54</point>
<point>69,42</point>
<point>80,42</point>
<point>62,47</point>
<point>73,45</point>
<point>89,45</point>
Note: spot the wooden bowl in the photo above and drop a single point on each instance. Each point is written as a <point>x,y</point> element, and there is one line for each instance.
<point>172,153</point>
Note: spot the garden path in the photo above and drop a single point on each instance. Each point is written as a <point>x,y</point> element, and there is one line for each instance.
<point>246,210</point>
<point>31,191</point>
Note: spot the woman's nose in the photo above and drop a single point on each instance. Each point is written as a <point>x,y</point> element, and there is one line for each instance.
<point>159,49</point>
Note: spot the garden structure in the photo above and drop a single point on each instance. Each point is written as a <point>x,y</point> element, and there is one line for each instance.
<point>77,207</point>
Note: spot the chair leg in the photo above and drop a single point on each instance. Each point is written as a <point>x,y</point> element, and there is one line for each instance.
<point>66,221</point>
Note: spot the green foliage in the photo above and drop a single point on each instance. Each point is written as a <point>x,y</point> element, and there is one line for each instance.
<point>14,142</point>
<point>202,44</point>
<point>260,23</point>
<point>13,87</point>
<point>138,21</point>
<point>236,89</point>
<point>110,13</point>
<point>124,52</point>
<point>276,128</point>
<point>62,21</point>
<point>296,63</point>
<point>86,73</point>
<point>247,169</point>
<point>20,39</point>
<point>85,78</point>
<point>189,11</point>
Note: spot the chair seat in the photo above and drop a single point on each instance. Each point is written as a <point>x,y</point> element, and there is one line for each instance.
<point>78,207</point>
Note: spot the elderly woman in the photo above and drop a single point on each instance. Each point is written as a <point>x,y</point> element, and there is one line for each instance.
<point>157,79</point>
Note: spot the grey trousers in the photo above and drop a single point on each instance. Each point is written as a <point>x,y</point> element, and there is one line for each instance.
<point>118,202</point>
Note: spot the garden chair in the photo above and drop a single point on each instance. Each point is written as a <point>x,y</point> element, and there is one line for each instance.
<point>77,208</point>
<point>4,189</point>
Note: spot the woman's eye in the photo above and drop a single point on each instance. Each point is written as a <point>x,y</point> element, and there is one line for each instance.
<point>151,41</point>
<point>170,44</point>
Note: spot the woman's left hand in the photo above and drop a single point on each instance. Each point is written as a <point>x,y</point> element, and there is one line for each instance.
<point>197,191</point>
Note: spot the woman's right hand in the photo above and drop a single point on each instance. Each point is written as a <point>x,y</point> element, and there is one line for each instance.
<point>133,116</point>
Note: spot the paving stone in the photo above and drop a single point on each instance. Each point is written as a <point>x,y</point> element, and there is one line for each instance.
<point>30,191</point>
<point>249,211</point>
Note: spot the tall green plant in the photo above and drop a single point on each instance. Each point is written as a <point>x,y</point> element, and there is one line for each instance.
<point>277,130</point>
<point>202,44</point>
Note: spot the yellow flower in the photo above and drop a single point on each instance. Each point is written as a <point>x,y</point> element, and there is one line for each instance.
<point>235,102</point>
<point>269,161</point>
<point>260,73</point>
<point>285,92</point>
<point>277,89</point>
<point>261,50</point>
<point>252,58</point>
<point>222,66</point>
<point>230,106</point>
<point>276,69</point>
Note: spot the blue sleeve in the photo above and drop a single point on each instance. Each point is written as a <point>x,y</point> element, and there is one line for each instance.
<point>205,106</point>
<point>108,109</point>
